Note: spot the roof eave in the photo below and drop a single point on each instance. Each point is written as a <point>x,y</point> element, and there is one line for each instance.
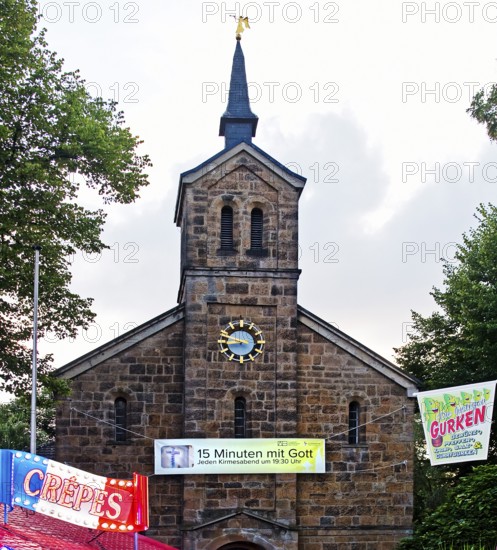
<point>358,350</point>
<point>120,344</point>
<point>188,177</point>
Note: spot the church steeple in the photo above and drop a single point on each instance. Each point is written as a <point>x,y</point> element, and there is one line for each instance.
<point>238,122</point>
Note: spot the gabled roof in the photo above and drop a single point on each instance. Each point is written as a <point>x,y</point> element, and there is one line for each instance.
<point>121,343</point>
<point>27,530</point>
<point>358,350</point>
<point>315,323</point>
<point>188,177</point>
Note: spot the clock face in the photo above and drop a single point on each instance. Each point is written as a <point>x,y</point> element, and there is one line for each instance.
<point>241,341</point>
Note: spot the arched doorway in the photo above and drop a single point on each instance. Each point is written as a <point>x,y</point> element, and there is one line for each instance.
<point>241,546</point>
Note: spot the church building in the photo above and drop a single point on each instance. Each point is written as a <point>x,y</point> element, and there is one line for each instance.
<point>239,359</point>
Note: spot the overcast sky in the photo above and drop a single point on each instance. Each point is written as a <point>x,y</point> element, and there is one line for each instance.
<point>366,99</point>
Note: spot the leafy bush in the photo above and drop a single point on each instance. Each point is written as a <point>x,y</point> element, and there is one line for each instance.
<point>467,520</point>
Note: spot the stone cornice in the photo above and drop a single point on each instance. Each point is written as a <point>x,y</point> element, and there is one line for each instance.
<point>235,272</point>
<point>121,343</point>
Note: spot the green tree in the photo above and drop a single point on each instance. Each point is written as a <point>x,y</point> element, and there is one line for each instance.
<point>483,108</point>
<point>453,346</point>
<point>15,422</point>
<point>458,344</point>
<point>54,139</point>
<point>466,519</point>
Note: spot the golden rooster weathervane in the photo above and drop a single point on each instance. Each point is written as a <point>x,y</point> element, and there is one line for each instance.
<point>242,24</point>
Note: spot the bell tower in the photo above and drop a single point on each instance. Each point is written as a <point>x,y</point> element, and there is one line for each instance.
<point>238,209</point>
<point>238,214</point>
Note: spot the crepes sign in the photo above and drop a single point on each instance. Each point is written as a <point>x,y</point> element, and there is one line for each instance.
<point>72,495</point>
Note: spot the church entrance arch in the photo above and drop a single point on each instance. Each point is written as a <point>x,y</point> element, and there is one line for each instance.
<point>241,546</point>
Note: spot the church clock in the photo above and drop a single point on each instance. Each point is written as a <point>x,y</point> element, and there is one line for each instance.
<point>241,341</point>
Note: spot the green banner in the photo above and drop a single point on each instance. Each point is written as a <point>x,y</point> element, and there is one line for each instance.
<point>239,456</point>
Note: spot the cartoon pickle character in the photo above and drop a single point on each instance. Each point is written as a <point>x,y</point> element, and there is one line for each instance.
<point>487,393</point>
<point>477,395</point>
<point>465,398</point>
<point>477,445</point>
<point>451,402</point>
<point>431,409</point>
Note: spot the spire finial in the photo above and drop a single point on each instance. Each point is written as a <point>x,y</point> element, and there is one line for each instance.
<point>238,122</point>
<point>242,24</point>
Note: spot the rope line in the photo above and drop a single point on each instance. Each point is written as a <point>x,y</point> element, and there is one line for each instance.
<point>366,423</point>
<point>403,463</point>
<point>370,470</point>
<point>113,424</point>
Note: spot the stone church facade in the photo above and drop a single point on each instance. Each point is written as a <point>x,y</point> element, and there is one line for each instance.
<point>178,376</point>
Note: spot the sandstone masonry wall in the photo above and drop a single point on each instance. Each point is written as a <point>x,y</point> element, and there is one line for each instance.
<point>150,377</point>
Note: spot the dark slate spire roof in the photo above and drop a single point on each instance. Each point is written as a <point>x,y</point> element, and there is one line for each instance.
<point>238,122</point>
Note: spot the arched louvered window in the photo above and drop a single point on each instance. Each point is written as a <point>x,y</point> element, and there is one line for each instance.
<point>227,228</point>
<point>354,414</point>
<point>240,417</point>
<point>256,229</point>
<point>120,418</point>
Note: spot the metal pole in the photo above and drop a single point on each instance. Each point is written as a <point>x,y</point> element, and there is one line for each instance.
<point>136,541</point>
<point>35,351</point>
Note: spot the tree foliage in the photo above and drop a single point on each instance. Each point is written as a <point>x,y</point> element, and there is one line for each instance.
<point>458,344</point>
<point>53,135</point>
<point>466,519</point>
<point>483,108</point>
<point>15,422</point>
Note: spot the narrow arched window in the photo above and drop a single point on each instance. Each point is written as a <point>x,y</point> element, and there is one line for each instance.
<point>227,228</point>
<point>240,417</point>
<point>256,229</point>
<point>354,413</point>
<point>120,414</point>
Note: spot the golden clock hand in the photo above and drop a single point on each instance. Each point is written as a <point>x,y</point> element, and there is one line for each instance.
<point>238,340</point>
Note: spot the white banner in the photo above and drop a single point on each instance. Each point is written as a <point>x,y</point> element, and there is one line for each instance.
<point>457,422</point>
<point>239,456</point>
